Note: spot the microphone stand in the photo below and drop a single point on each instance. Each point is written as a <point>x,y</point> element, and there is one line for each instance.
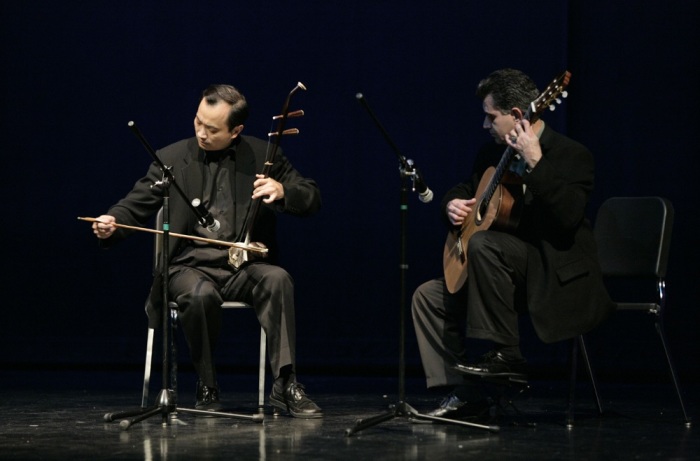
<point>402,408</point>
<point>166,402</point>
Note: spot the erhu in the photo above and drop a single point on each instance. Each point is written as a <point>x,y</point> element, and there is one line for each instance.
<point>238,254</point>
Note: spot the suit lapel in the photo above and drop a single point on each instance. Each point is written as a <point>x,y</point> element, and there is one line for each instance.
<point>191,175</point>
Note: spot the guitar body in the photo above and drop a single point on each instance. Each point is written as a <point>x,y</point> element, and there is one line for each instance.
<point>498,213</point>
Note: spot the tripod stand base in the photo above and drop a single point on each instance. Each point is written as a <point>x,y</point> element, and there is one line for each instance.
<point>403,409</point>
<point>167,407</point>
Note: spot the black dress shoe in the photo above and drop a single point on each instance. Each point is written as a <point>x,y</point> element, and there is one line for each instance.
<point>207,398</point>
<point>293,399</point>
<point>494,365</point>
<point>453,407</point>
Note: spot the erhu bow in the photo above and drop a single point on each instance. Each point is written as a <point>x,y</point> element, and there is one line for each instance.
<point>238,255</point>
<point>185,236</point>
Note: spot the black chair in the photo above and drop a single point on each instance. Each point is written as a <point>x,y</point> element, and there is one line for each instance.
<point>227,305</point>
<point>634,238</point>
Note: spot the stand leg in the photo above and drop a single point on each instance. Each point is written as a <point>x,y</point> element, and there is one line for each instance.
<point>165,406</point>
<point>257,417</point>
<point>365,423</point>
<point>406,410</point>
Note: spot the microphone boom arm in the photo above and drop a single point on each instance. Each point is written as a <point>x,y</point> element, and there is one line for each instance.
<point>199,211</point>
<point>407,166</point>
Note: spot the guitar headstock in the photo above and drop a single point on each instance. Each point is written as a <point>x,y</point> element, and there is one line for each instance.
<point>551,95</point>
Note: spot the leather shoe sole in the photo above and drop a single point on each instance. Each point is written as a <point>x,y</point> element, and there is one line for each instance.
<point>494,365</point>
<point>485,373</point>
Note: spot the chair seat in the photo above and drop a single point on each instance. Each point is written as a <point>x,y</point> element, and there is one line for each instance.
<point>226,305</point>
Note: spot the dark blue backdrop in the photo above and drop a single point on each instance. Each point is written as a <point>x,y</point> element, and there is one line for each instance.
<point>76,72</point>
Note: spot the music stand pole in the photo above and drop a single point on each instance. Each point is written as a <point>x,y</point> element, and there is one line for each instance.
<point>402,408</point>
<point>166,402</point>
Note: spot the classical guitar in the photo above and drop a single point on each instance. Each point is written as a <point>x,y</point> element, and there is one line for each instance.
<point>498,202</point>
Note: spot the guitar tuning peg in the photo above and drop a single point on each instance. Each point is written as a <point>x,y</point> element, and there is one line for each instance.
<point>552,107</point>
<point>558,100</point>
<point>564,94</point>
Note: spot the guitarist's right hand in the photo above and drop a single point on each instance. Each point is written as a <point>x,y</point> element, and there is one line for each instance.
<point>458,209</point>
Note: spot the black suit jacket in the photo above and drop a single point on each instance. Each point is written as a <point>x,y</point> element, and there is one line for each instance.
<point>301,196</point>
<point>565,292</point>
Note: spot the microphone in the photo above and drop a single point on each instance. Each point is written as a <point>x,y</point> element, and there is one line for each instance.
<point>425,195</point>
<point>207,220</point>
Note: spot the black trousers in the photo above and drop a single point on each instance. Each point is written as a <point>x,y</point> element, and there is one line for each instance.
<point>487,307</point>
<point>199,293</point>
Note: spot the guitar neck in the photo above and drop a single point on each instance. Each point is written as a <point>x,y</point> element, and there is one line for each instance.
<point>501,168</point>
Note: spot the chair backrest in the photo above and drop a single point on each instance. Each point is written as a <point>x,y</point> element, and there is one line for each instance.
<point>634,236</point>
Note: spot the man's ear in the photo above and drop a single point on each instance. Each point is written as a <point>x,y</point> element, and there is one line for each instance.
<point>236,131</point>
<point>516,113</point>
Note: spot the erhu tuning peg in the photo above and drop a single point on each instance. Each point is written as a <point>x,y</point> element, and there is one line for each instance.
<point>296,113</point>
<point>285,132</point>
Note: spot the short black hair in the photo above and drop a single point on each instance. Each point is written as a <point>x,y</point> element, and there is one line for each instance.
<point>239,106</point>
<point>509,88</point>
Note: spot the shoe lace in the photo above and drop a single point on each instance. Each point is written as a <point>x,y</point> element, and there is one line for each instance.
<point>489,356</point>
<point>449,399</point>
<point>296,391</point>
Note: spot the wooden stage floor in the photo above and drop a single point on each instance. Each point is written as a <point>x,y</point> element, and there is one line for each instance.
<point>60,415</point>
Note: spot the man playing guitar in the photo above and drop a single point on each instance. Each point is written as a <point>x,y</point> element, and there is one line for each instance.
<point>542,262</point>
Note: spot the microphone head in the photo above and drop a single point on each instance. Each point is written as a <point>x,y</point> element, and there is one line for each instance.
<point>426,196</point>
<point>214,226</point>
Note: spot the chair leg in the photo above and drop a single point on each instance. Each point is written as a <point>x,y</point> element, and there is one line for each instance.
<point>147,368</point>
<point>261,370</point>
<point>579,344</point>
<point>584,354</point>
<point>572,385</point>
<point>173,353</point>
<point>674,377</point>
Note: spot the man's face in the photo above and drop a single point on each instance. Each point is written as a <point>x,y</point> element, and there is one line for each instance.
<point>211,128</point>
<point>498,124</point>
